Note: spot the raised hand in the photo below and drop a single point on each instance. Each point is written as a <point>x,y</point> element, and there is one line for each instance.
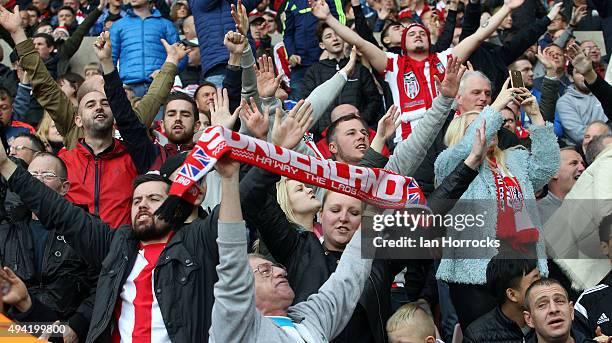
<point>257,123</point>
<point>175,52</point>
<point>350,65</point>
<point>235,42</point>
<point>102,4</point>
<point>580,61</point>
<point>11,21</point>
<point>530,104</point>
<point>267,83</point>
<point>578,13</point>
<point>454,72</point>
<point>546,61</point>
<point>227,167</point>
<point>506,95</point>
<point>554,10</point>
<point>219,111</point>
<point>241,18</point>
<point>289,131</point>
<point>102,47</point>
<point>386,128</point>
<point>320,9</point>
<point>14,291</point>
<point>513,3</point>
<point>479,148</point>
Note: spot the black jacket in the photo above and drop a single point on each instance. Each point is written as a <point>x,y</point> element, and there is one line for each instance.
<point>184,275</point>
<point>577,335</point>
<point>493,60</point>
<point>65,284</point>
<point>309,264</point>
<point>494,326</point>
<point>359,91</point>
<point>594,309</point>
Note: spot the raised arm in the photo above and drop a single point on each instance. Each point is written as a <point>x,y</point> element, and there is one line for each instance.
<point>446,38</point>
<point>550,88</point>
<point>600,88</point>
<point>465,48</point>
<point>377,57</point>
<point>409,153</point>
<point>72,44</point>
<point>134,133</point>
<point>329,310</point>
<point>46,90</point>
<point>234,316</point>
<point>86,234</point>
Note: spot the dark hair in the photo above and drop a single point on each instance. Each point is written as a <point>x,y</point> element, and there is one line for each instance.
<point>202,85</point>
<point>47,37</point>
<point>504,273</point>
<point>595,147</point>
<point>545,281</point>
<point>63,170</point>
<point>385,31</point>
<point>5,94</point>
<point>75,80</point>
<point>604,228</point>
<point>112,17</point>
<point>331,129</point>
<point>34,9</point>
<point>182,96</point>
<point>321,26</point>
<point>37,143</point>
<point>140,179</point>
<point>67,8</point>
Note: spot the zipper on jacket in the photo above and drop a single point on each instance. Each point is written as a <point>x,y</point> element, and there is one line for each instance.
<point>142,37</point>
<point>97,186</point>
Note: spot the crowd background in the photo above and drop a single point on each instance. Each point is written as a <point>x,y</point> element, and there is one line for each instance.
<point>418,87</point>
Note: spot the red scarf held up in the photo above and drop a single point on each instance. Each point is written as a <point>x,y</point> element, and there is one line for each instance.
<point>416,94</point>
<point>376,186</point>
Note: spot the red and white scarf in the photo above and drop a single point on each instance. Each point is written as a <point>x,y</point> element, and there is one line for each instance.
<point>379,187</point>
<point>513,222</point>
<point>416,90</point>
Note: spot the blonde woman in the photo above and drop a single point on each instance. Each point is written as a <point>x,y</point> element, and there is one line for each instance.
<point>503,193</point>
<point>54,142</point>
<point>299,204</point>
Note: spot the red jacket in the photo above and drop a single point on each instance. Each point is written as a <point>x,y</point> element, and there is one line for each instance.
<point>103,183</point>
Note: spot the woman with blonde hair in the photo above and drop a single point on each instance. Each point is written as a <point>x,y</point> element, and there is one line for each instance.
<point>299,204</point>
<point>54,142</point>
<point>502,195</point>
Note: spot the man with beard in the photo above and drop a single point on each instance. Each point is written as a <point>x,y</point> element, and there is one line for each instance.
<point>577,108</point>
<point>411,76</point>
<point>133,302</point>
<point>179,121</point>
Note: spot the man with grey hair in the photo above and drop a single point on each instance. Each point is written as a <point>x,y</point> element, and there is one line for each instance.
<point>474,92</point>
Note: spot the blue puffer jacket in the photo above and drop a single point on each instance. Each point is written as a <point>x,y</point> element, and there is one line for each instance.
<point>300,30</point>
<point>136,44</point>
<point>532,170</point>
<point>213,20</point>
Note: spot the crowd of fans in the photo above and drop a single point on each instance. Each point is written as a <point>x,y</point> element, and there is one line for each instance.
<point>421,88</point>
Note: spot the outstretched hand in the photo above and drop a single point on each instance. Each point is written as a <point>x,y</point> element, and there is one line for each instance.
<point>513,4</point>
<point>175,52</point>
<point>580,61</point>
<point>11,21</point>
<point>454,72</point>
<point>350,65</point>
<point>388,124</point>
<point>320,9</point>
<point>14,291</point>
<point>241,18</point>
<point>257,123</point>
<point>287,132</point>
<point>506,95</point>
<point>267,83</point>
<point>102,47</point>
<point>578,13</point>
<point>479,148</point>
<point>554,11</point>
<point>219,111</point>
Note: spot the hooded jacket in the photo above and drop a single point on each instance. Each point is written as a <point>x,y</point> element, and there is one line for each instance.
<point>101,182</point>
<point>576,110</point>
<point>359,91</point>
<point>494,327</point>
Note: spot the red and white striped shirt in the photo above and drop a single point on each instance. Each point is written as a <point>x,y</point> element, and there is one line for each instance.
<point>139,318</point>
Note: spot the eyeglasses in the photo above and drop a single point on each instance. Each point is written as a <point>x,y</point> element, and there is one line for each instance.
<point>16,148</point>
<point>46,176</point>
<point>265,269</point>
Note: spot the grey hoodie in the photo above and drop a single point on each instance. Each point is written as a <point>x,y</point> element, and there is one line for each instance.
<point>576,111</point>
<point>318,319</point>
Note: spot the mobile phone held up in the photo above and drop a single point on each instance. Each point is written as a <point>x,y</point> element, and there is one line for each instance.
<point>516,79</point>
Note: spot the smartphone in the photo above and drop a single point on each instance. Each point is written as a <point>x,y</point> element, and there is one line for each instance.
<point>516,79</point>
